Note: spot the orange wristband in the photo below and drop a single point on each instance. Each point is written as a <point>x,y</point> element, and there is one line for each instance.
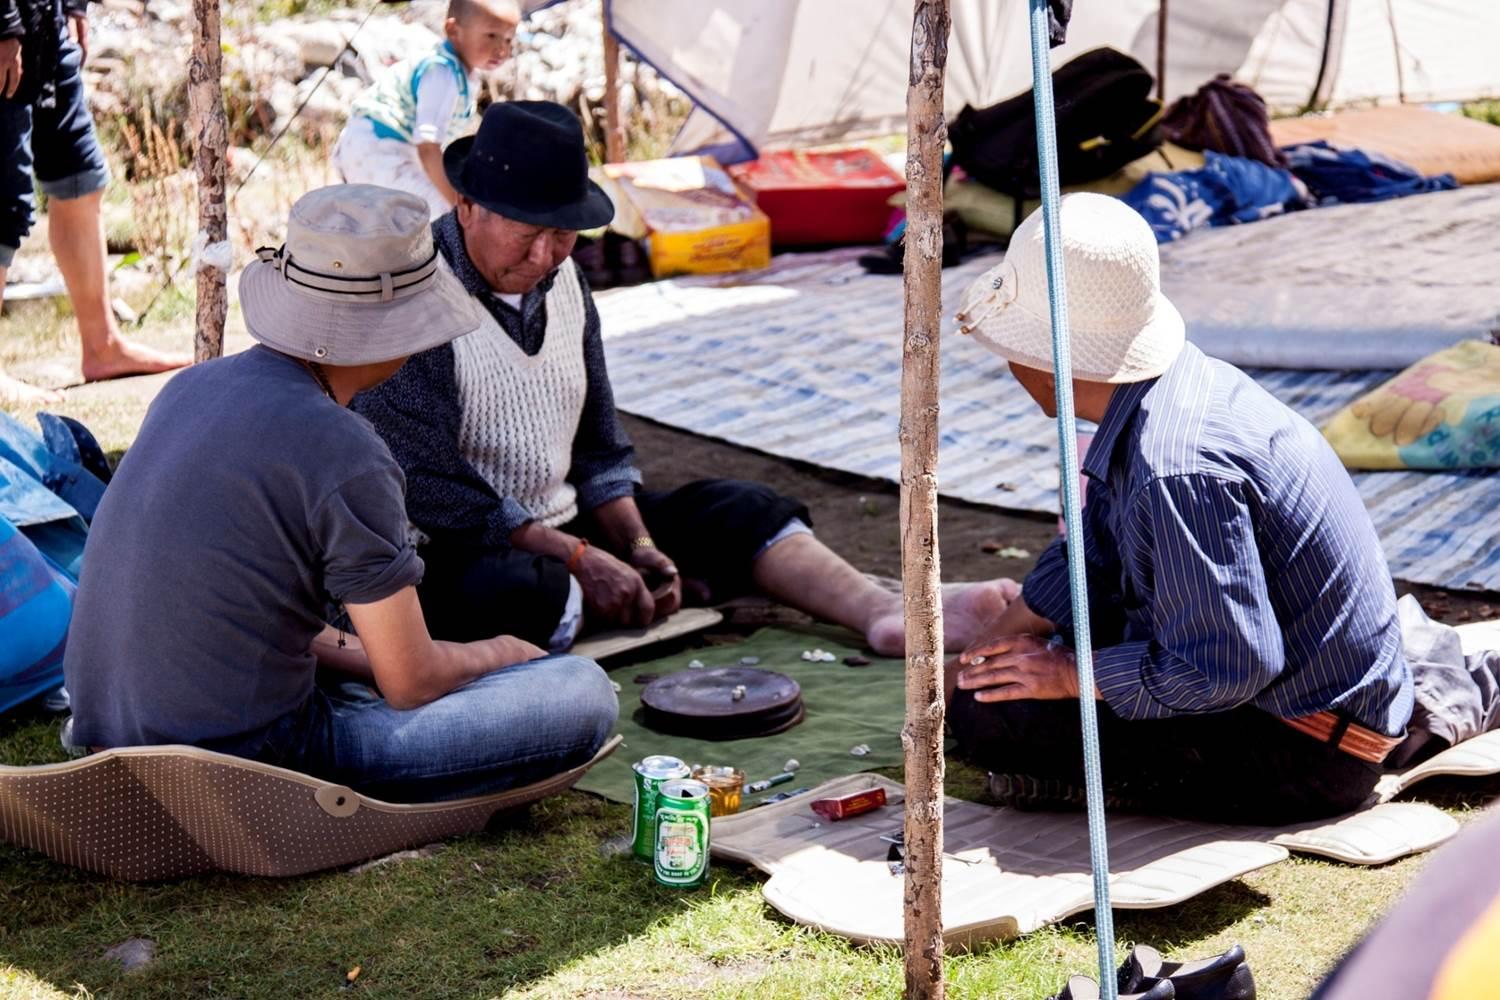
<point>577,555</point>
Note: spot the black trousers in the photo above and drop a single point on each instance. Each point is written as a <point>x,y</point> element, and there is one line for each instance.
<point>1241,766</point>
<point>712,529</point>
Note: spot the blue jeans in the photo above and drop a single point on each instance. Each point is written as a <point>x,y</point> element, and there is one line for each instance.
<point>54,144</point>
<point>509,728</point>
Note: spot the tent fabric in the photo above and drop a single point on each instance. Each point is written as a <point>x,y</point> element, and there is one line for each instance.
<point>797,72</point>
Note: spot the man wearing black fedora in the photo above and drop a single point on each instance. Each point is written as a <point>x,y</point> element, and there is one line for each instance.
<point>520,480</point>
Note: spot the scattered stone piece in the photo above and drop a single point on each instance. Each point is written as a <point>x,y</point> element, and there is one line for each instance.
<point>863,750</point>
<point>828,657</point>
<point>695,664</point>
<point>856,661</point>
<point>1012,552</point>
<point>616,846</point>
<point>133,954</point>
<point>990,547</point>
<point>738,694</point>
<point>749,661</point>
<point>616,686</point>
<point>807,655</point>
<point>645,678</point>
<point>391,859</point>
<point>792,766</point>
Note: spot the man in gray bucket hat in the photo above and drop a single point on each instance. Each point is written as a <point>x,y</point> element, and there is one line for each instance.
<point>253,502</point>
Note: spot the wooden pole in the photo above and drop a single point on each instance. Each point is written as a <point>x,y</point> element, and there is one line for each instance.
<point>922,736</point>
<point>614,134</point>
<point>1161,52</point>
<point>210,132</point>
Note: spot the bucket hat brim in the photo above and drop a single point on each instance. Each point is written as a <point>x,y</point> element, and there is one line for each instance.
<point>1025,339</point>
<point>353,332</point>
<point>593,211</point>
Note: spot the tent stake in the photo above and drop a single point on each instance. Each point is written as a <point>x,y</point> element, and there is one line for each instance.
<point>614,134</point>
<point>1161,52</point>
<point>922,736</point>
<point>210,134</point>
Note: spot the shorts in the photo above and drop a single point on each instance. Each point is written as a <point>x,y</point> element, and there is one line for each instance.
<point>362,157</point>
<point>52,147</point>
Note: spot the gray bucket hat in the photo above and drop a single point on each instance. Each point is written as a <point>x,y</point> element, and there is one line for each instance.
<point>357,282</point>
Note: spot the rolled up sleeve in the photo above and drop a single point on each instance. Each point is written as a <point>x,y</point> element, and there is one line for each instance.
<point>1215,641</point>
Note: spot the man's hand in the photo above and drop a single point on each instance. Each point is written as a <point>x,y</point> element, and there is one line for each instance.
<point>613,590</point>
<point>1016,667</point>
<point>10,66</point>
<point>661,576</point>
<point>507,651</point>
<point>80,25</point>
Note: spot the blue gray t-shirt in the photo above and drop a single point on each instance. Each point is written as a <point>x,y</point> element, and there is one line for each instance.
<point>249,502</point>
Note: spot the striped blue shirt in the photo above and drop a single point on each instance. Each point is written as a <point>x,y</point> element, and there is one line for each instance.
<point>1230,560</point>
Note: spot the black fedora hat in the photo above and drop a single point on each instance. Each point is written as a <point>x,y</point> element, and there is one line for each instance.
<point>527,162</point>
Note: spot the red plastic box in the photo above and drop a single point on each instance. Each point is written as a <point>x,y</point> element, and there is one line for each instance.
<point>822,197</point>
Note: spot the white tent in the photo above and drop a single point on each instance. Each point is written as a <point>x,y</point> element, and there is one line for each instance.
<point>785,72</point>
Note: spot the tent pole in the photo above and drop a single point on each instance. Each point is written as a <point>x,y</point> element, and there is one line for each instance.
<point>614,135</point>
<point>1161,52</point>
<point>210,135</point>
<point>922,736</point>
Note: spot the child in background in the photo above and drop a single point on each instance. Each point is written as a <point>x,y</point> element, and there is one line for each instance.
<point>398,127</point>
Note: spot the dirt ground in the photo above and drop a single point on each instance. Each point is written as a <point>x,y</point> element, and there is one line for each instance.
<point>859,517</point>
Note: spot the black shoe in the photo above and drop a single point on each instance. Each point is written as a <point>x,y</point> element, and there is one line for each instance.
<point>1223,977</point>
<point>1084,988</point>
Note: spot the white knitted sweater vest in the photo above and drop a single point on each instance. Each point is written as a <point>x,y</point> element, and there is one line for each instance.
<point>520,413</point>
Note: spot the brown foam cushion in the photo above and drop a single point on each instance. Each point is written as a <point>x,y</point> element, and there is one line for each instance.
<point>1430,141</point>
<point>151,813</point>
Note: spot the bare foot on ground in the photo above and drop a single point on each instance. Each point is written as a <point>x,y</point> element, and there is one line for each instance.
<point>125,357</point>
<point>22,395</point>
<point>967,609</point>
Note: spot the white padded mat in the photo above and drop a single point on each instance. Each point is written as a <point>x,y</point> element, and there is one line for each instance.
<point>685,622</point>
<point>1008,873</point>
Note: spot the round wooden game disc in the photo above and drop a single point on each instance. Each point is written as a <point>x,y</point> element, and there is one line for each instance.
<point>701,703</point>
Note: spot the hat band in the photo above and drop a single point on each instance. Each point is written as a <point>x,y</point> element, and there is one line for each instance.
<point>383,287</point>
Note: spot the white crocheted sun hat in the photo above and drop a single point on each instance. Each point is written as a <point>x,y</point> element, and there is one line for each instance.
<point>1121,327</point>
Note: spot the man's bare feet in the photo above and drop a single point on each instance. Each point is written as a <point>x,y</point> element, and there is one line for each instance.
<point>967,609</point>
<point>23,395</point>
<point>123,357</point>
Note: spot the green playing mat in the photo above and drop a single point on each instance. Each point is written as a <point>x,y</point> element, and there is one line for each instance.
<point>846,706</point>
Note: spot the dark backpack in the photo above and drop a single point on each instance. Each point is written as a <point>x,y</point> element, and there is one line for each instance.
<point>1105,119</point>
<point>1226,117</point>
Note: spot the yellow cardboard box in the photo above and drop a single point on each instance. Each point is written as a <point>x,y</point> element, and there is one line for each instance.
<point>694,217</point>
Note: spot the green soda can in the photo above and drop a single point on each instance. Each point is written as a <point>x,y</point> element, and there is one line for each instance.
<point>682,825</point>
<point>650,773</point>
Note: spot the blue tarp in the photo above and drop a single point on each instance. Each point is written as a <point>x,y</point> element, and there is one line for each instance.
<point>46,497</point>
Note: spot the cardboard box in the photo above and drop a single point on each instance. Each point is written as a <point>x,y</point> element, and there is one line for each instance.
<point>828,197</point>
<point>694,218</point>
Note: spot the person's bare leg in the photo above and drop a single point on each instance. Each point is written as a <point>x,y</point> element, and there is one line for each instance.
<point>76,229</point>
<point>14,392</point>
<point>803,573</point>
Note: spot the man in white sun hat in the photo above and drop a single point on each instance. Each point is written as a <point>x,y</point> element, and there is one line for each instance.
<point>253,503</point>
<point>1247,652</point>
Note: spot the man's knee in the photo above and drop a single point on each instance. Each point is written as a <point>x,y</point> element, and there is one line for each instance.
<point>583,686</point>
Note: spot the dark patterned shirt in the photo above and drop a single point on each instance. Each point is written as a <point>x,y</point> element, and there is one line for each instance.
<point>418,412</point>
<point>1230,560</point>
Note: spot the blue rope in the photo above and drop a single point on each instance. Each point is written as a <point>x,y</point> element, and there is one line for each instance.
<point>1062,367</point>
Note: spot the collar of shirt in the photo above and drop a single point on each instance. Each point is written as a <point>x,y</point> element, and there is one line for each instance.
<point>1117,417</point>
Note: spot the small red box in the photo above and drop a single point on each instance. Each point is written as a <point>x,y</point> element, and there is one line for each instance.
<point>822,197</point>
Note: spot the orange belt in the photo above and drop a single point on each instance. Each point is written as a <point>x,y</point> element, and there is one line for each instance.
<point>1343,734</point>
